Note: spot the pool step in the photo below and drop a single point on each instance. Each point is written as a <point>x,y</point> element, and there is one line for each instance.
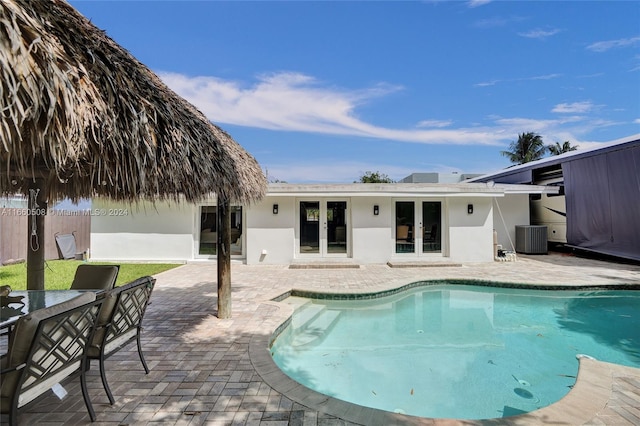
<point>309,322</point>
<point>296,302</point>
<point>316,328</point>
<point>305,314</point>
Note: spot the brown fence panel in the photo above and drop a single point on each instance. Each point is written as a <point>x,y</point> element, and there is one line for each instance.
<point>14,232</point>
<point>13,235</point>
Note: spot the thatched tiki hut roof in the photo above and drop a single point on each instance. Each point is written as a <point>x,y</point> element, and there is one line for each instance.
<point>81,112</point>
<point>81,117</point>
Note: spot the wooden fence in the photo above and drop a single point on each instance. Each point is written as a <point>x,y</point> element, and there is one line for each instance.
<point>14,232</point>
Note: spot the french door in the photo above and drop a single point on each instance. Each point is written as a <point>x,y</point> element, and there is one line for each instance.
<point>207,229</point>
<point>418,227</point>
<point>322,228</point>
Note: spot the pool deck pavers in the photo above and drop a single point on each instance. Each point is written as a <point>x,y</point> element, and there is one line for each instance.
<point>211,371</point>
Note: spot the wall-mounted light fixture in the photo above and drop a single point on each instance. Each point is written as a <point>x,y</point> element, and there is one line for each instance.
<point>469,208</point>
<point>376,210</point>
<point>275,209</point>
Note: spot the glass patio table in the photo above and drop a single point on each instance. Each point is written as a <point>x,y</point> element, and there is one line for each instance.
<point>19,303</point>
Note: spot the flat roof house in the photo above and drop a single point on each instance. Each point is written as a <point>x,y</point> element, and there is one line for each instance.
<point>338,223</point>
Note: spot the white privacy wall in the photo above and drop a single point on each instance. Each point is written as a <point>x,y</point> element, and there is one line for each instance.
<point>470,235</point>
<point>160,232</point>
<point>270,237</point>
<point>515,211</point>
<point>371,238</point>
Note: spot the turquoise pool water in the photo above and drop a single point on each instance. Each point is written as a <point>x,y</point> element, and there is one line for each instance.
<point>454,351</point>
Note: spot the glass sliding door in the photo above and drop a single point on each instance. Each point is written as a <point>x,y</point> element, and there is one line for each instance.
<point>336,227</point>
<point>309,227</point>
<point>418,227</point>
<point>323,228</point>
<point>208,228</point>
<point>236,230</point>
<point>208,242</point>
<point>432,227</point>
<point>405,224</point>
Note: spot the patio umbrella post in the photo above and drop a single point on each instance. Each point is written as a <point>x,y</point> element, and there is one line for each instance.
<point>224,258</point>
<point>36,211</point>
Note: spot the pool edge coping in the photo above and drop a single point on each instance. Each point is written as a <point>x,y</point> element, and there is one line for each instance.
<point>587,398</point>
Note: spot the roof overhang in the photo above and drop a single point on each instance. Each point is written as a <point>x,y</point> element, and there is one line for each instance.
<point>404,190</point>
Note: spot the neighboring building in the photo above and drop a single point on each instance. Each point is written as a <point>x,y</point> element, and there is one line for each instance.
<point>435,177</point>
<point>597,207</point>
<point>353,223</point>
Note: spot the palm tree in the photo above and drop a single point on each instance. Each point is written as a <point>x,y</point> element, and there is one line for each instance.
<point>528,147</point>
<point>558,149</point>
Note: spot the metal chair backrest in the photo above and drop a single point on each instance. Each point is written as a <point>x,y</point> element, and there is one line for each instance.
<point>46,347</point>
<point>120,321</point>
<point>131,302</point>
<point>95,277</point>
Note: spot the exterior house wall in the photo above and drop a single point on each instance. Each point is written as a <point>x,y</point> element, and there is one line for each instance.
<point>160,232</point>
<point>470,235</point>
<point>515,211</point>
<point>273,233</point>
<point>170,231</point>
<point>371,237</point>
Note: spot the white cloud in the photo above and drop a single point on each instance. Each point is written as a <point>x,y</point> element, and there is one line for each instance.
<point>597,74</point>
<point>350,171</point>
<point>573,108</point>
<point>487,83</point>
<point>537,77</point>
<point>517,125</point>
<point>497,21</point>
<point>337,171</point>
<point>296,102</point>
<point>539,33</point>
<point>435,123</point>
<point>543,77</point>
<point>637,121</point>
<point>477,3</point>
<point>566,128</point>
<point>603,46</point>
<point>284,101</point>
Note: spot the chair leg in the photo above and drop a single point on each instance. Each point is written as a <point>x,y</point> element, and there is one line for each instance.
<point>13,413</point>
<point>103,376</point>
<point>144,363</point>
<point>85,392</point>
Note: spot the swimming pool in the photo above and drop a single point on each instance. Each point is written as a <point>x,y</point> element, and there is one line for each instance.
<point>457,351</point>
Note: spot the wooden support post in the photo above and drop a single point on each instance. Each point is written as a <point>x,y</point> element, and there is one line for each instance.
<point>224,259</point>
<point>36,211</point>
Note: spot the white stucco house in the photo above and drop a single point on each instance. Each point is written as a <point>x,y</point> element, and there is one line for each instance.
<point>298,223</point>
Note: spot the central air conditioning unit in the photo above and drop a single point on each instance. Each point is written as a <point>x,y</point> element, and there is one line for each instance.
<point>531,239</point>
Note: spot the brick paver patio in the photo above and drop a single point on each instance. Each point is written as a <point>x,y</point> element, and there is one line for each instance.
<point>207,371</point>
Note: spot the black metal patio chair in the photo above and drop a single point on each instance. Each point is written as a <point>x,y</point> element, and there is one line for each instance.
<point>119,322</point>
<point>46,347</point>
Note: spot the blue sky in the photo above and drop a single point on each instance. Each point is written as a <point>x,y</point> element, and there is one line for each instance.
<point>325,91</point>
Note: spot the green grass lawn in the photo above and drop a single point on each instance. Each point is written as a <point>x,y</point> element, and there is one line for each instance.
<point>58,274</point>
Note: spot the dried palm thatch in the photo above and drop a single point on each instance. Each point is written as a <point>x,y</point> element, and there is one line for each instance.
<point>82,113</point>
